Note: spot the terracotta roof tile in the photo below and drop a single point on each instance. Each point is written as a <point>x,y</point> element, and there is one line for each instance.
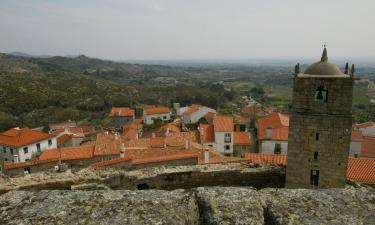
<point>208,133</point>
<point>172,128</point>
<point>223,123</point>
<point>121,112</point>
<point>266,158</point>
<point>192,109</point>
<point>359,169</point>
<point>20,137</point>
<point>110,162</point>
<point>156,110</point>
<point>157,142</point>
<point>70,153</point>
<point>241,138</point>
<point>278,122</point>
<point>9,166</point>
<point>107,144</point>
<point>64,138</point>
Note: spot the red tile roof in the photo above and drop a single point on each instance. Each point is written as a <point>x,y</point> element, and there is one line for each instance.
<point>121,111</point>
<point>266,158</point>
<point>258,111</point>
<point>58,126</point>
<point>165,158</point>
<point>241,138</point>
<point>64,138</point>
<point>107,144</point>
<point>223,123</point>
<point>368,147</point>
<point>156,110</point>
<point>110,162</point>
<point>171,127</point>
<point>192,109</point>
<point>359,169</point>
<point>279,123</point>
<point>208,133</point>
<point>131,134</point>
<point>20,137</point>
<point>70,153</point>
<point>157,142</point>
<point>9,166</point>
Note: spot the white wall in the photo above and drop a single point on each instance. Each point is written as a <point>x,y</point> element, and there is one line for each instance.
<point>148,119</point>
<point>219,140</point>
<point>194,117</point>
<point>368,131</point>
<point>268,146</point>
<point>32,149</point>
<point>355,148</point>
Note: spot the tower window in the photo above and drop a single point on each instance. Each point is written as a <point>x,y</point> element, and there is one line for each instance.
<point>317,136</point>
<point>316,154</point>
<point>321,94</point>
<point>314,177</point>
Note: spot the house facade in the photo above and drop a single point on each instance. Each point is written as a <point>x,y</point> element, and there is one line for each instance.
<point>151,114</point>
<point>23,144</point>
<point>273,133</point>
<point>121,116</point>
<point>223,128</point>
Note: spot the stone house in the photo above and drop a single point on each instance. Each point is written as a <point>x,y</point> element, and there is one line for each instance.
<point>120,116</point>
<point>23,144</point>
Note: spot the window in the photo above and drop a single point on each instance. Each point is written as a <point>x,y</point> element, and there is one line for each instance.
<point>165,117</point>
<point>5,150</point>
<point>210,146</point>
<point>49,142</point>
<point>11,151</point>
<point>355,155</point>
<point>321,94</point>
<point>316,155</point>
<point>277,150</point>
<point>5,159</point>
<point>317,136</point>
<point>38,147</point>
<point>227,147</point>
<point>26,150</point>
<point>314,177</point>
<point>227,138</point>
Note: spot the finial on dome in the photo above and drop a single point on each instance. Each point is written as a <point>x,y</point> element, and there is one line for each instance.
<point>346,68</point>
<point>324,55</point>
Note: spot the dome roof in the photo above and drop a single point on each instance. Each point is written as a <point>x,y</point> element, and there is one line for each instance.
<point>323,67</point>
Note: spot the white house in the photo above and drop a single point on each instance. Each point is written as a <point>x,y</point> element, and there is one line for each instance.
<point>150,114</point>
<point>20,145</point>
<point>223,127</point>
<point>192,114</point>
<point>273,133</point>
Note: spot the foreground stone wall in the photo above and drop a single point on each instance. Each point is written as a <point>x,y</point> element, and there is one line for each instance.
<point>167,178</point>
<point>204,205</point>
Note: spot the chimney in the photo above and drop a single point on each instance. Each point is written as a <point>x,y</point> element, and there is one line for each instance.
<point>167,132</point>
<point>116,136</point>
<point>153,135</point>
<point>165,145</point>
<point>206,155</point>
<point>122,151</point>
<point>187,144</point>
<point>246,130</point>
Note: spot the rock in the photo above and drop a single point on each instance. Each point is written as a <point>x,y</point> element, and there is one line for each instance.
<point>98,207</point>
<point>324,206</point>
<point>89,187</point>
<point>229,205</point>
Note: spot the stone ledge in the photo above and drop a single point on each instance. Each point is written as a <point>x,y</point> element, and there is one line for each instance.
<point>204,205</point>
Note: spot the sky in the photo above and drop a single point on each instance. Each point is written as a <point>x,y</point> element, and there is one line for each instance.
<point>189,29</point>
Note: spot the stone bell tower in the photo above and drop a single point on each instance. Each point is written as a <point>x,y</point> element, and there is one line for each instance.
<point>320,126</point>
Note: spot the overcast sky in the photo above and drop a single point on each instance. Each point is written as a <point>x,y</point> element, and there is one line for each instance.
<point>189,29</point>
